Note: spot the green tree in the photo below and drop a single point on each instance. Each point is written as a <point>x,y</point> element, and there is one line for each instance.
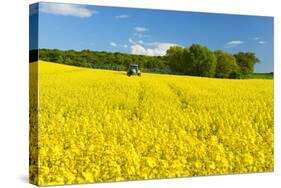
<point>246,62</point>
<point>175,57</point>
<point>199,61</point>
<point>226,65</point>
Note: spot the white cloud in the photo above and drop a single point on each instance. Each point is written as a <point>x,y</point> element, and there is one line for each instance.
<point>235,42</point>
<point>122,16</point>
<point>256,38</point>
<point>140,35</point>
<point>125,46</point>
<point>113,44</point>
<point>261,42</point>
<point>140,29</point>
<point>66,9</point>
<point>158,50</point>
<point>138,49</point>
<point>131,41</point>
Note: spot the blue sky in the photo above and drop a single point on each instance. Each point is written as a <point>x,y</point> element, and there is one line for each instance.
<point>152,32</point>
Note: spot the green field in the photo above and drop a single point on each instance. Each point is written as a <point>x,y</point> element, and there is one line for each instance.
<point>262,76</point>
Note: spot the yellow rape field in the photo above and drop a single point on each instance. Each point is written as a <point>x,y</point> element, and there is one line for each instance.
<point>100,125</point>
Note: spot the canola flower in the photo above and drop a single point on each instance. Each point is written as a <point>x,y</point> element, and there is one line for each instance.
<point>100,125</point>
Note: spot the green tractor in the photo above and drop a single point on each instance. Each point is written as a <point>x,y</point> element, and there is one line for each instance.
<point>134,70</point>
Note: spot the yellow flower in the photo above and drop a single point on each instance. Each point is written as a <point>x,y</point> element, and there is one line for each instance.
<point>100,125</point>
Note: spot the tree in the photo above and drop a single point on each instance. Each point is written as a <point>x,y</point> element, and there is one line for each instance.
<point>175,57</point>
<point>226,65</point>
<point>196,60</point>
<point>246,62</point>
<point>199,61</point>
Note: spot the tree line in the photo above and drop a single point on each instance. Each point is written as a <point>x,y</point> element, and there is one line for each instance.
<point>196,60</point>
<point>107,60</point>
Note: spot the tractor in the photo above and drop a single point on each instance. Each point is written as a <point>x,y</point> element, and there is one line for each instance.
<point>134,70</point>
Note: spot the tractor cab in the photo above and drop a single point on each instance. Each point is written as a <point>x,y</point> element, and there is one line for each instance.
<point>133,70</point>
